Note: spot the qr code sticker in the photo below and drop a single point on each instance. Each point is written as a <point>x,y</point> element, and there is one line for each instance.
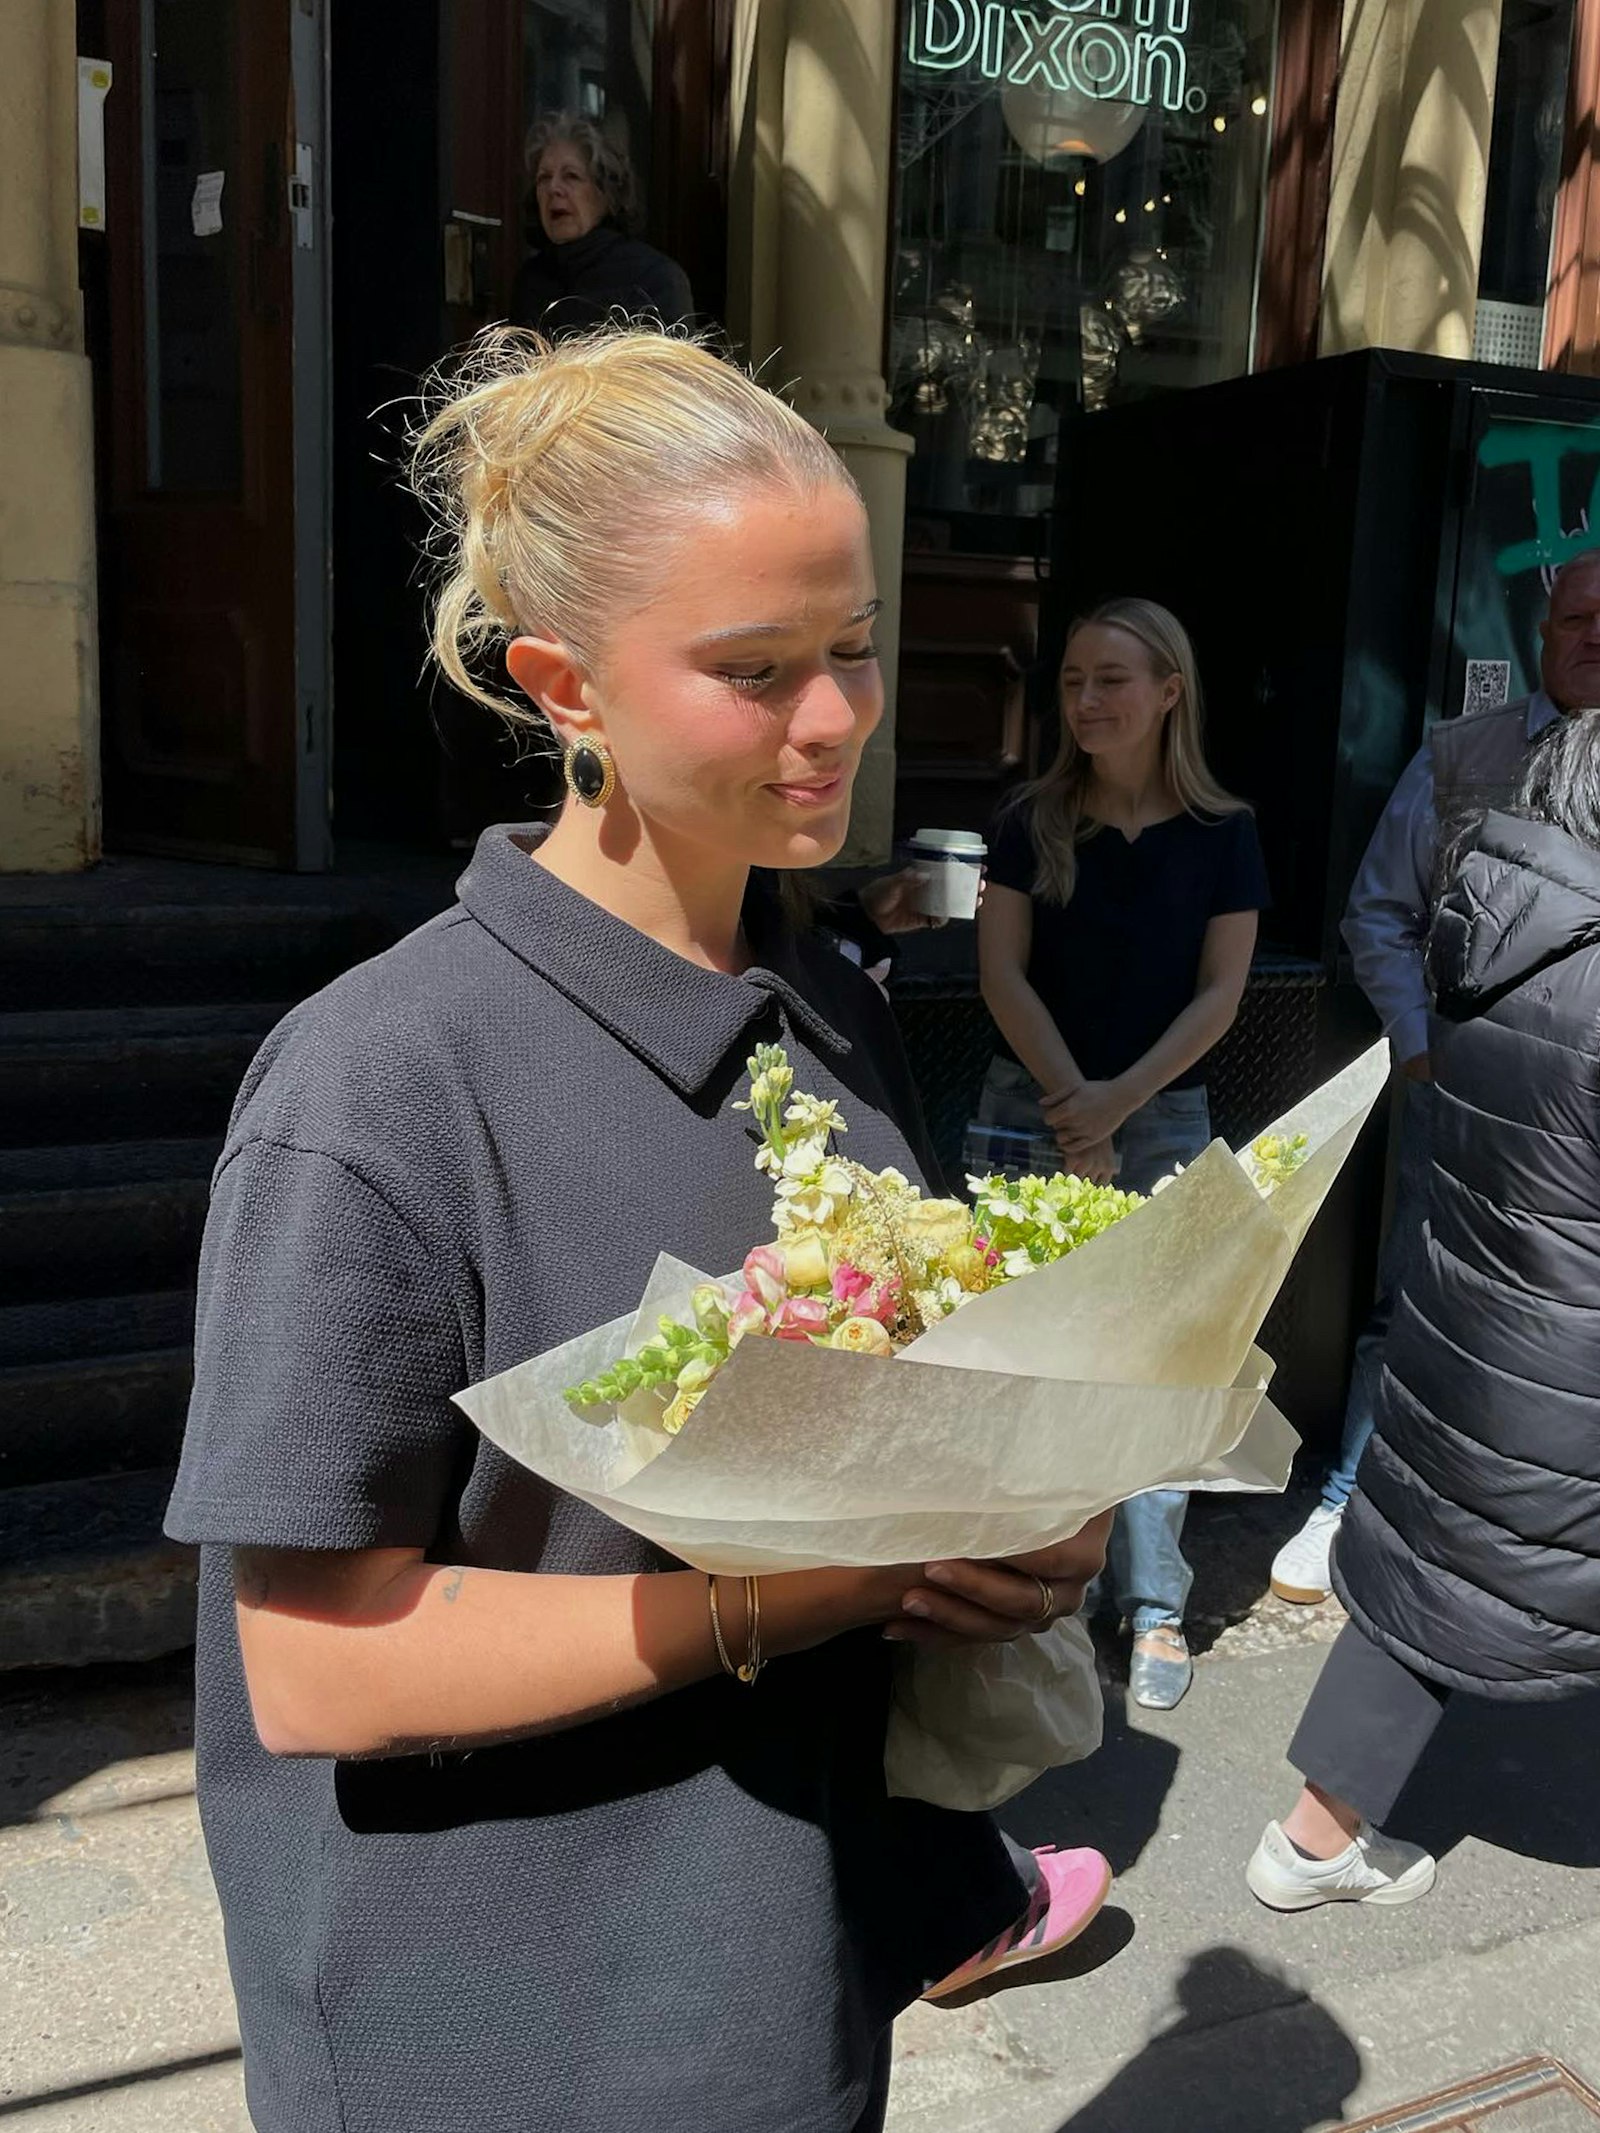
<point>1488,685</point>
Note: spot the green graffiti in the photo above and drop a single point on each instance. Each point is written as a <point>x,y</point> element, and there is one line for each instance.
<point>1543,447</point>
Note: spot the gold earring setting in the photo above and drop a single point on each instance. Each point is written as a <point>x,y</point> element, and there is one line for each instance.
<point>589,771</point>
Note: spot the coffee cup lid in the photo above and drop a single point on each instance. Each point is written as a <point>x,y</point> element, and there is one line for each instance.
<point>960,844</point>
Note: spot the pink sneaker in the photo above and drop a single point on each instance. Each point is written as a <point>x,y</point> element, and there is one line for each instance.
<point>1072,1887</point>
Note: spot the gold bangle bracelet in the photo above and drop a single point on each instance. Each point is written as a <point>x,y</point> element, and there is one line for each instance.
<point>724,1660</point>
<point>753,1661</point>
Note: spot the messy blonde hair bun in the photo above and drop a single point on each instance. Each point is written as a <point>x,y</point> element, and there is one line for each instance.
<point>555,473</point>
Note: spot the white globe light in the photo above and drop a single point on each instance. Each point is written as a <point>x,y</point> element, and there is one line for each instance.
<point>1052,125</point>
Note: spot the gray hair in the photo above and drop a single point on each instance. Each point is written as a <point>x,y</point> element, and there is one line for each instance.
<point>1561,784</point>
<point>607,164</point>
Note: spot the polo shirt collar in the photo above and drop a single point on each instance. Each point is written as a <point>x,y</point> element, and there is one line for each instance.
<point>682,1019</point>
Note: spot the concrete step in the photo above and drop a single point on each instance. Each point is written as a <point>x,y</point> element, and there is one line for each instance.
<point>101,1414</point>
<point>68,954</point>
<point>95,1326</point>
<point>84,1238</point>
<point>101,1074</point>
<point>93,1164</point>
<point>86,1576</point>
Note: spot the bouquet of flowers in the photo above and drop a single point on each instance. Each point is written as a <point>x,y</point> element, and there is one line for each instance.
<point>862,1262</point>
<point>1074,1345</point>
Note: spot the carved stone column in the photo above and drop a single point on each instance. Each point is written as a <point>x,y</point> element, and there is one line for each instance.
<point>1410,165</point>
<point>813,161</point>
<point>49,719</point>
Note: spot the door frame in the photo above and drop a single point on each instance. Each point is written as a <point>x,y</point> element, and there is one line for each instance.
<point>311,256</point>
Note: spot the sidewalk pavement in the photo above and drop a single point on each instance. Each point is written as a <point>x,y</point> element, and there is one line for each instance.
<point>1185,2009</point>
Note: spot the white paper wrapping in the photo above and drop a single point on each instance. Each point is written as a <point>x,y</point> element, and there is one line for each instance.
<point>1128,1365</point>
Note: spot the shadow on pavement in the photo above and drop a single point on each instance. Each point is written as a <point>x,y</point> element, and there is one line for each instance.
<point>1517,1775</point>
<point>1230,1541</point>
<point>61,1728</point>
<point>1297,2069</point>
<point>1098,1944</point>
<point>1112,1801</point>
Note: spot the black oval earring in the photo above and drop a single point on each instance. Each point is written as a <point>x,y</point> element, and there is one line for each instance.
<point>589,771</point>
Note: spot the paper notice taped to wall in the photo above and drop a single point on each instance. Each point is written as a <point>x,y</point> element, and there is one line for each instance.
<point>205,209</point>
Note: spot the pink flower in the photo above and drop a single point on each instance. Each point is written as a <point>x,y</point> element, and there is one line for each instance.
<point>764,1276</point>
<point>881,1302</point>
<point>801,1318</point>
<point>748,1315</point>
<point>849,1282</point>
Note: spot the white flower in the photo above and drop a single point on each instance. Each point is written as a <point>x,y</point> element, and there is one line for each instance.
<point>814,1118</point>
<point>804,1159</point>
<point>807,1204</point>
<point>940,1300</point>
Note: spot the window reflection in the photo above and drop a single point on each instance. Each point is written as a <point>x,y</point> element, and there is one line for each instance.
<point>1079,211</point>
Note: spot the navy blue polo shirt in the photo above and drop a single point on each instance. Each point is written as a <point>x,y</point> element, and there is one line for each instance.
<point>699,1913</point>
<point>1119,961</point>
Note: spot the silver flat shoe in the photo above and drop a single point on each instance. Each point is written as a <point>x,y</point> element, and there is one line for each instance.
<point>1161,1684</point>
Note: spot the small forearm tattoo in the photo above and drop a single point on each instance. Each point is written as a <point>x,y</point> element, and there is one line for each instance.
<point>451,1588</point>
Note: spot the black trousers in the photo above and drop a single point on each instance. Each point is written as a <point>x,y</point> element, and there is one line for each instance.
<point>1365,1725</point>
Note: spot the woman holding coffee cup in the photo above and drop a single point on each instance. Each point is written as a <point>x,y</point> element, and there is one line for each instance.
<point>1114,942</point>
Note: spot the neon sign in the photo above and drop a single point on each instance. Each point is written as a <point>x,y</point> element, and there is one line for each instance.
<point>1086,47</point>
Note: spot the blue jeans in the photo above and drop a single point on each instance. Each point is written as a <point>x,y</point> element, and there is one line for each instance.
<point>1145,1564</point>
<point>1398,1264</point>
<point>1149,1574</point>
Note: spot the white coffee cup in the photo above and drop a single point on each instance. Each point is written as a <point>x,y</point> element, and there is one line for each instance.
<point>951,863</point>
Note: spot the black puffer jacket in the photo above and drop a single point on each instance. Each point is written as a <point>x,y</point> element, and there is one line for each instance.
<point>1471,1550</point>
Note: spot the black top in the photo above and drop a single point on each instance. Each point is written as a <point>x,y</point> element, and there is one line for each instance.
<point>1119,962</point>
<point>569,288</point>
<point>1471,1549</point>
<point>702,1912</point>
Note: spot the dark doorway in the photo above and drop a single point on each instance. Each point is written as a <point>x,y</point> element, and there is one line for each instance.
<point>190,300</point>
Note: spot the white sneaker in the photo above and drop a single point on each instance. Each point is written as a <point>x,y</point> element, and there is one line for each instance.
<point>1372,1868</point>
<point>1300,1569</point>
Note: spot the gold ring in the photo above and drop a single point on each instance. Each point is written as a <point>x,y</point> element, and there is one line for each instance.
<point>1047,1609</point>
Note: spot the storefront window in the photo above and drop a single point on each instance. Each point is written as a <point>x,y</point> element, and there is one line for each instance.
<point>1530,98</point>
<point>1079,214</point>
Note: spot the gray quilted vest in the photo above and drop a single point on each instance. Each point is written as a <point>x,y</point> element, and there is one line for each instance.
<point>1477,765</point>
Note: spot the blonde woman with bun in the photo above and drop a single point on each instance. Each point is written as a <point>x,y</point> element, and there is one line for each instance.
<point>1114,943</point>
<point>501,1841</point>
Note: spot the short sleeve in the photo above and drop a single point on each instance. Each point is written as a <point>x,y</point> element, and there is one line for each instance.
<point>1012,861</point>
<point>1240,882</point>
<point>327,1346</point>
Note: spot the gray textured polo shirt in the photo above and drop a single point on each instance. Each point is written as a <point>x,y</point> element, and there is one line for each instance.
<point>700,1914</point>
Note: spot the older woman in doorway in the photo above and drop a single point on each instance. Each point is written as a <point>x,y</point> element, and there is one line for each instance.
<point>589,269</point>
<point>1114,944</point>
